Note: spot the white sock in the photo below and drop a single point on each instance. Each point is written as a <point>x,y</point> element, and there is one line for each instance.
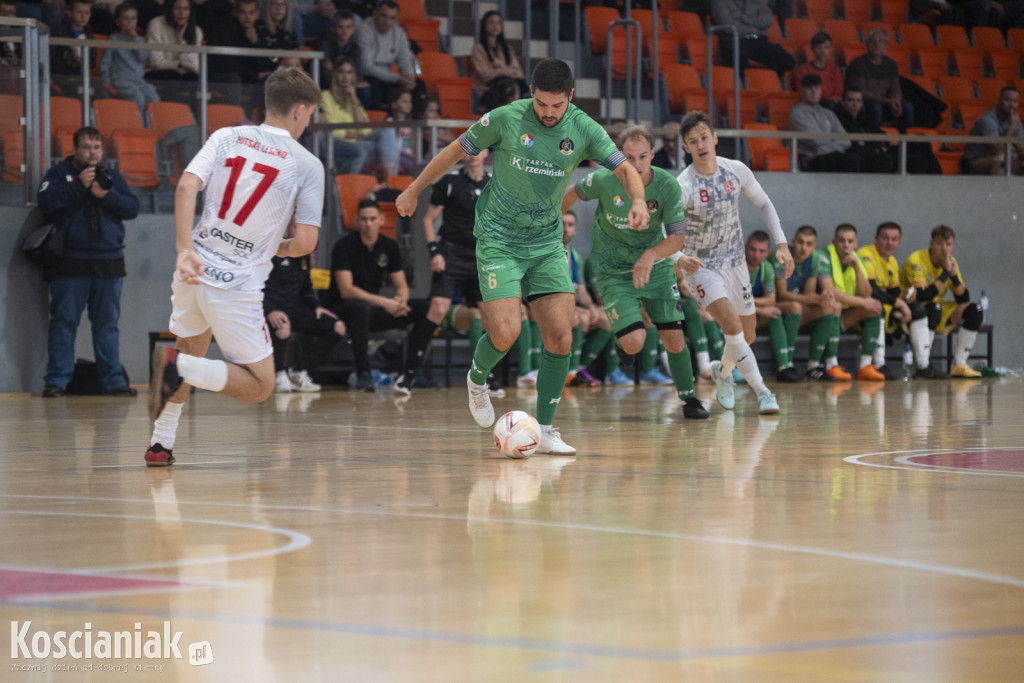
<point>964,344</point>
<point>831,362</point>
<point>811,364</point>
<point>920,341</point>
<point>880,348</point>
<point>165,427</point>
<point>864,361</point>
<point>204,373</point>
<point>740,355</point>
<point>703,362</point>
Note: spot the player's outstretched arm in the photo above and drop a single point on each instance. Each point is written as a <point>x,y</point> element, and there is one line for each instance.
<point>438,166</point>
<point>304,241</point>
<point>188,265</point>
<point>634,186</point>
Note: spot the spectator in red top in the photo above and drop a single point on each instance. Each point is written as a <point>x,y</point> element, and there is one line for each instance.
<point>824,65</point>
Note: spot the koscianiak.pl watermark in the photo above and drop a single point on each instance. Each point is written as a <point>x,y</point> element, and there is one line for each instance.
<point>125,651</point>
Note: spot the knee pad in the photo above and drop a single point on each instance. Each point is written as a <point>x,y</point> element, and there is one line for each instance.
<point>934,312</point>
<point>917,311</point>
<point>972,317</point>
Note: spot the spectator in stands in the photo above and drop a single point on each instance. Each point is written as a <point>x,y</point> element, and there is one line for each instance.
<point>93,203</point>
<point>492,57</point>
<point>242,30</point>
<point>667,156</point>
<point>931,273</point>
<point>47,12</point>
<point>360,264</point>
<point>10,51</point>
<point>432,110</point>
<point>853,292</point>
<point>966,13</point>
<point>341,42</point>
<point>382,42</point>
<point>291,305</point>
<point>782,318</point>
<point>66,62</point>
<point>355,147</point>
<point>822,64</point>
<point>1002,120</point>
<point>808,116</point>
<point>878,78</point>
<point>399,107</point>
<point>752,18</point>
<point>177,26</point>
<point>122,70</point>
<point>875,157</point>
<point>212,15</point>
<point>884,277</point>
<point>500,92</point>
<point>277,20</point>
<point>810,286</point>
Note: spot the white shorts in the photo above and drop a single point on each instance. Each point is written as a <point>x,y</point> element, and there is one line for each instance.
<point>729,283</point>
<point>236,318</point>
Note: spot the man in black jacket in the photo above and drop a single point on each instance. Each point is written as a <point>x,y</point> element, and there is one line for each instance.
<point>874,156</point>
<point>92,202</point>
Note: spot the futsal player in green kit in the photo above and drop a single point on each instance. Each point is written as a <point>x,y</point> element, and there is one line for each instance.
<point>536,144</point>
<point>633,267</point>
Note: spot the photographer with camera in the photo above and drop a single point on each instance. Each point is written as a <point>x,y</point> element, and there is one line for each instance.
<point>90,202</point>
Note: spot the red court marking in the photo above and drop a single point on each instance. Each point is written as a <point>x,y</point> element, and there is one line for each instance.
<point>1003,461</point>
<point>15,584</point>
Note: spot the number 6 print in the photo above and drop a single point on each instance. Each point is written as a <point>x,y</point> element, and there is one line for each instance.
<point>236,164</point>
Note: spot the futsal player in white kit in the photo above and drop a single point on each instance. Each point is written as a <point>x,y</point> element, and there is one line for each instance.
<point>258,182</point>
<point>718,274</point>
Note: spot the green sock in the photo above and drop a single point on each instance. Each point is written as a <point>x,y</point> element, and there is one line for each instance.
<point>792,323</point>
<point>523,345</point>
<point>485,357</point>
<point>476,330</point>
<point>695,334</point>
<point>594,344</point>
<point>536,346</point>
<point>649,354</point>
<point>777,335</point>
<point>832,348</point>
<point>716,340</point>
<point>577,347</point>
<point>819,337</point>
<point>550,381</point>
<point>869,330</point>
<point>612,360</point>
<point>682,373</point>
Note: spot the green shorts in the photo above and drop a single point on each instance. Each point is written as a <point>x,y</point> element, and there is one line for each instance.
<point>659,296</point>
<point>514,272</point>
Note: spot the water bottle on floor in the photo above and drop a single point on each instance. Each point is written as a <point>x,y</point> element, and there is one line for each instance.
<point>908,363</point>
<point>983,305</point>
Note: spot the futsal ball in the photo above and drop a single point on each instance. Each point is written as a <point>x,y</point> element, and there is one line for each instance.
<point>516,434</point>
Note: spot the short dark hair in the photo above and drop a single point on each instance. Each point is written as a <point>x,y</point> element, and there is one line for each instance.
<point>819,38</point>
<point>851,88</point>
<point>341,15</point>
<point>943,232</point>
<point>1007,88</point>
<point>810,80</point>
<point>888,225</point>
<point>86,132</point>
<point>759,236</point>
<point>692,120</point>
<point>846,227</point>
<point>552,75</point>
<point>388,4</point>
<point>286,88</point>
<point>367,204</point>
<point>570,212</point>
<point>124,7</point>
<point>807,230</point>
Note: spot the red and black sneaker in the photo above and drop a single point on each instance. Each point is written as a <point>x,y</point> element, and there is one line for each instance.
<point>165,380</point>
<point>158,456</point>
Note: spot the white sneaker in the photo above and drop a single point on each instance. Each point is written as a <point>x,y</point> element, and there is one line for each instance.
<point>551,442</point>
<point>480,403</point>
<point>723,386</point>
<point>283,385</point>
<point>527,381</point>
<point>301,381</point>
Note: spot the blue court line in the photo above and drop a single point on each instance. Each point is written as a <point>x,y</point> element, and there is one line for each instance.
<point>537,644</point>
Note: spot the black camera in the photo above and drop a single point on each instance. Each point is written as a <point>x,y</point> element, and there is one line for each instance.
<point>102,179</point>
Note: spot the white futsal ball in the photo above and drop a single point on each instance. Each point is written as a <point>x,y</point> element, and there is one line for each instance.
<point>516,434</point>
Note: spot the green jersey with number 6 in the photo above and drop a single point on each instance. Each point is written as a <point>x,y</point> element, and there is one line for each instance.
<point>521,205</point>
<point>616,247</point>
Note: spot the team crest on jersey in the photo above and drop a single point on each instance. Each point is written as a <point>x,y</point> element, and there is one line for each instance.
<point>652,205</point>
<point>526,139</point>
<point>728,186</point>
<point>618,201</point>
<point>590,180</point>
<point>566,146</point>
<point>382,261</point>
<point>486,120</point>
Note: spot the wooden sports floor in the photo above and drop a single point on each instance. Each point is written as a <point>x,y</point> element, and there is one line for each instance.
<point>860,536</point>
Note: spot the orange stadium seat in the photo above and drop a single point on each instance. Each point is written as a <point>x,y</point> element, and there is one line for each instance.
<point>857,11</point>
<point>957,89</point>
<point>681,80</point>
<point>136,157</point>
<point>969,63</point>
<point>1005,65</point>
<point>952,37</point>
<point>818,11</point>
<point>223,116</point>
<point>352,187</point>
<point>424,32</point>
<point>842,32</point>
<point>436,66</point>
<point>597,20</point>
<point>766,154</point>
<point>686,25</point>
<point>893,12</point>
<point>916,35</point>
<point>410,10</point>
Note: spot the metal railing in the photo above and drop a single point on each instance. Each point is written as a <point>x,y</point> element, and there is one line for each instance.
<point>633,67</point>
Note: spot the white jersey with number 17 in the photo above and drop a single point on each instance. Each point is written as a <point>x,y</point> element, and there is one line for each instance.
<point>255,179</point>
